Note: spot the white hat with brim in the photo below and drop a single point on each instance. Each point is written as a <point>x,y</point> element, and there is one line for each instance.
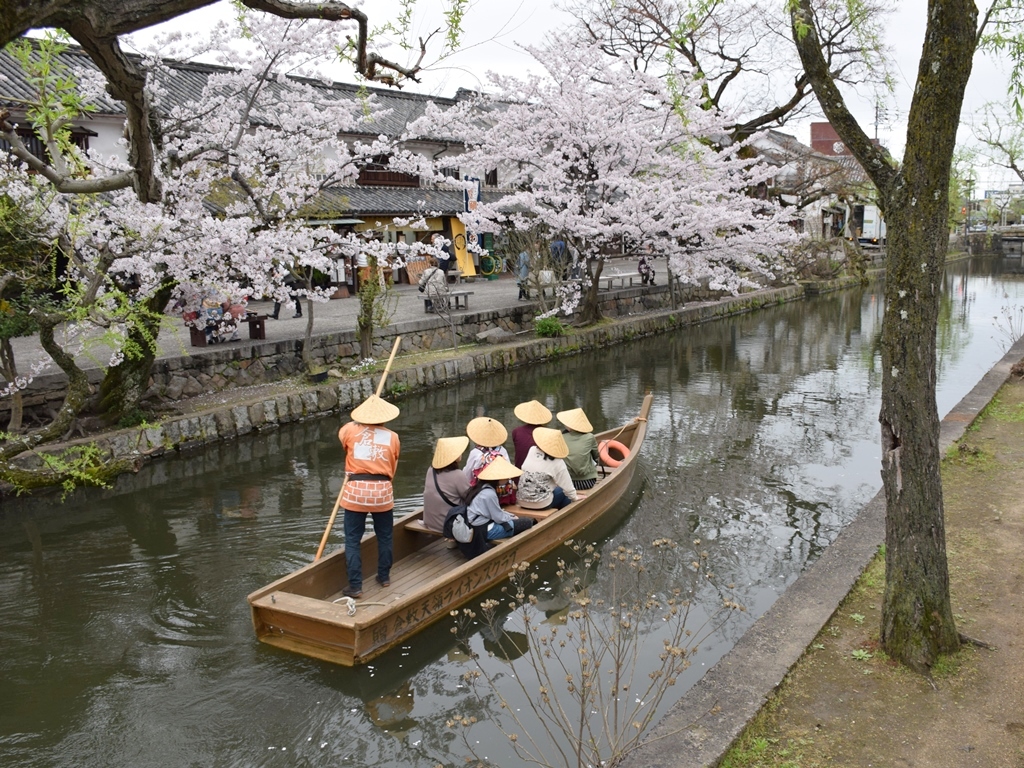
<point>499,469</point>
<point>576,420</point>
<point>449,449</point>
<point>374,410</point>
<point>487,432</point>
<point>551,442</point>
<point>532,412</point>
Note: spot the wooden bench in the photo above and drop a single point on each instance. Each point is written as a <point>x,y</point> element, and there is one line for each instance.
<point>417,526</point>
<point>459,300</point>
<point>607,281</point>
<point>199,337</point>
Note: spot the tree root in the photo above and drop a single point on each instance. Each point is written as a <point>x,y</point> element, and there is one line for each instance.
<point>967,640</point>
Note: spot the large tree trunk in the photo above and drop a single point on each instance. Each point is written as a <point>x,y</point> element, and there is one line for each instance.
<point>124,385</point>
<point>591,311</point>
<point>917,619</point>
<point>8,366</point>
<point>74,399</point>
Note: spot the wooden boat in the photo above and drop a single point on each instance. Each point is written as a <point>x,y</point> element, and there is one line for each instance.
<point>305,612</point>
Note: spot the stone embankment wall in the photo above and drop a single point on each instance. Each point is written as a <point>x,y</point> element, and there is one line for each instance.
<point>245,363</point>
<point>182,433</point>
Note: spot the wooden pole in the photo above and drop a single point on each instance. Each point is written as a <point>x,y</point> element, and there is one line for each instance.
<point>330,522</point>
<point>384,376</point>
<point>337,504</point>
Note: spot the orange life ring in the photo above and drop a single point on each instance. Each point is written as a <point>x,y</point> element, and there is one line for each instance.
<point>605,448</point>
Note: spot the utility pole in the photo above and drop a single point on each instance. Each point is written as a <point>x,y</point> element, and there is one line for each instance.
<point>969,188</point>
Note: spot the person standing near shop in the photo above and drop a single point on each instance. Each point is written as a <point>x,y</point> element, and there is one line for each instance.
<point>371,458</point>
<point>444,253</point>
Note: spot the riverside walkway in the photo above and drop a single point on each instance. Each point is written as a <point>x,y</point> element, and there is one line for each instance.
<point>333,316</point>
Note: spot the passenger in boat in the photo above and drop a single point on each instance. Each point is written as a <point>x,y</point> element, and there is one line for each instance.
<point>545,482</point>
<point>483,507</point>
<point>446,486</point>
<point>371,457</point>
<point>487,435</point>
<point>533,414</point>
<point>583,453</point>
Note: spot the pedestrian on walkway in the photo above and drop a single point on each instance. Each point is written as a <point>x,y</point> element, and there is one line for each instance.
<point>444,254</point>
<point>292,283</point>
<point>522,275</point>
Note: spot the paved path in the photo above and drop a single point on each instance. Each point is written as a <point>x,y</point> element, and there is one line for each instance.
<point>331,317</point>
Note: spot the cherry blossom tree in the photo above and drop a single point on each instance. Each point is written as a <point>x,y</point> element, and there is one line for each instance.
<point>254,145</point>
<point>604,156</point>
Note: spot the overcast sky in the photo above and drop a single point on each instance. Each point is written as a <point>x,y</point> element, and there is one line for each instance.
<point>494,30</point>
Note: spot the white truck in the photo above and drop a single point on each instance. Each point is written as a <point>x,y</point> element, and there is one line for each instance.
<point>867,225</point>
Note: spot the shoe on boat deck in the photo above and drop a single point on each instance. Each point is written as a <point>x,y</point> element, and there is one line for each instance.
<point>351,592</point>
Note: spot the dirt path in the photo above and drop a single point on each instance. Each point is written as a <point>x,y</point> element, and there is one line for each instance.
<point>846,704</point>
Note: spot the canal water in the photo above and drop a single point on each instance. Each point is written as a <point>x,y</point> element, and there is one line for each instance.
<point>127,640</point>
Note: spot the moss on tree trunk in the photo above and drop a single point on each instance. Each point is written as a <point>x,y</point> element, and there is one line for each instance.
<point>917,619</point>
<point>124,385</point>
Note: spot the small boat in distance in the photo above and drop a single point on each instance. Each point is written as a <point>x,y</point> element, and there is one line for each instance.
<point>305,612</point>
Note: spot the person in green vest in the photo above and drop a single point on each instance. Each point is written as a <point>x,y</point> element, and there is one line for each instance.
<point>583,452</point>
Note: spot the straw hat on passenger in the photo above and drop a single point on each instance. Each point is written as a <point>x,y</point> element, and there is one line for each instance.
<point>374,410</point>
<point>487,432</point>
<point>532,412</point>
<point>551,442</point>
<point>499,469</point>
<point>449,449</point>
<point>576,420</point>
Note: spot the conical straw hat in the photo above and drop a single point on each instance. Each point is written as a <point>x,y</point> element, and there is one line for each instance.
<point>551,442</point>
<point>532,412</point>
<point>449,449</point>
<point>499,469</point>
<point>487,432</point>
<point>575,420</point>
<point>374,410</point>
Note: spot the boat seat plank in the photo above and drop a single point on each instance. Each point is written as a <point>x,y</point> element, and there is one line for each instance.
<point>419,527</point>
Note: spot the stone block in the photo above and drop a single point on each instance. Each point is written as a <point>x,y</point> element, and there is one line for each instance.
<point>310,404</point>
<point>208,427</point>
<point>225,423</point>
<point>494,336</point>
<point>175,387</point>
<point>240,414</point>
<point>192,388</point>
<point>257,415</point>
<point>270,412</point>
<point>327,399</point>
<point>283,411</point>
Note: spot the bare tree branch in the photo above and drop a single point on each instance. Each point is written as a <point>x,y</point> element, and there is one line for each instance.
<point>875,159</point>
<point>61,182</point>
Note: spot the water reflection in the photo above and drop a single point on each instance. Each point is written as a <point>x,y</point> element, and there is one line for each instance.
<point>127,641</point>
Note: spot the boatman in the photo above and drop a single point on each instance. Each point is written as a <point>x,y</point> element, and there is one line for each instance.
<point>371,458</point>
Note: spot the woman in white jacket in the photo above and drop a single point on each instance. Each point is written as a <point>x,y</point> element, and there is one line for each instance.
<point>545,481</point>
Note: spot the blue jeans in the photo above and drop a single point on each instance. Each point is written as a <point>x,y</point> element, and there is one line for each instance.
<point>499,531</point>
<point>559,499</point>
<point>355,527</point>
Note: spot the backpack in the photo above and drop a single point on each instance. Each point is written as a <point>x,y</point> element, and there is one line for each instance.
<point>506,489</point>
<point>456,524</point>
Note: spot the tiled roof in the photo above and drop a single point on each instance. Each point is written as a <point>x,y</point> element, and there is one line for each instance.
<point>187,80</point>
<point>376,201</point>
<point>390,201</point>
